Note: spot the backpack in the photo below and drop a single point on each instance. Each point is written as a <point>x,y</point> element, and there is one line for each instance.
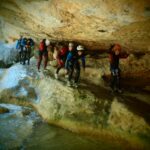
<point>23,42</point>
<point>31,42</point>
<point>18,44</point>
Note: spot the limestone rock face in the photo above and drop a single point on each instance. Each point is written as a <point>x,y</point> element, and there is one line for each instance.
<point>100,22</point>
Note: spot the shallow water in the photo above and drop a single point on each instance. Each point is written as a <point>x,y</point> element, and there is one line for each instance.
<point>53,138</point>
<point>28,131</point>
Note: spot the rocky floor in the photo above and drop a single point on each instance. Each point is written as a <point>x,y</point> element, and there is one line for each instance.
<point>91,110</point>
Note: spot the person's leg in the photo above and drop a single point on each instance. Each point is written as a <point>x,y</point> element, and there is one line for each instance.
<point>117,82</point>
<point>29,55</point>
<point>113,79</point>
<point>60,66</point>
<point>70,74</point>
<point>45,59</point>
<point>21,54</point>
<point>58,69</point>
<point>118,86</point>
<point>24,57</point>
<point>77,73</point>
<point>20,57</point>
<point>39,60</point>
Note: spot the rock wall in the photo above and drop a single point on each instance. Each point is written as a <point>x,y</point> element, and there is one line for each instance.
<point>100,22</point>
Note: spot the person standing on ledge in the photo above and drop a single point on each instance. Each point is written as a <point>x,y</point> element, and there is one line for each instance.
<point>73,65</point>
<point>43,52</point>
<point>114,57</point>
<point>61,58</point>
<point>29,47</point>
<point>21,46</point>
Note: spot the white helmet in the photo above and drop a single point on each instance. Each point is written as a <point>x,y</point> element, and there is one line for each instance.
<point>71,44</point>
<point>47,42</point>
<point>80,48</point>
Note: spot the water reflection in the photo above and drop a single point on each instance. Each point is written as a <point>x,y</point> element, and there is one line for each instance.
<point>23,129</point>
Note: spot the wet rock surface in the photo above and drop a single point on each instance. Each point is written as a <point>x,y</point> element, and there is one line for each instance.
<point>29,131</point>
<point>15,127</point>
<point>91,109</point>
<point>3,110</point>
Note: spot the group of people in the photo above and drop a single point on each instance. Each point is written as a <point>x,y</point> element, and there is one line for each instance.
<point>67,56</point>
<point>71,57</point>
<point>25,46</point>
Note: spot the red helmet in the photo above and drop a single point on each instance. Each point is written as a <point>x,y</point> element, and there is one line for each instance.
<point>117,47</point>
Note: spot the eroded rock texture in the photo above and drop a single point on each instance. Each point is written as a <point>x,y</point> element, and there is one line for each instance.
<point>90,110</point>
<point>100,22</point>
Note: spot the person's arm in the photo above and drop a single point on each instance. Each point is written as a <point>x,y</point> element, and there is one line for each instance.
<point>123,55</point>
